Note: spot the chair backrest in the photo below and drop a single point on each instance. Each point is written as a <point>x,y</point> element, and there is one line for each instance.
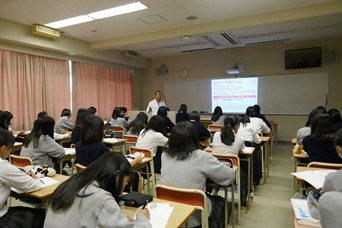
<point>131,138</point>
<point>214,128</point>
<point>118,132</point>
<point>20,161</point>
<point>235,159</point>
<point>117,128</point>
<point>325,165</point>
<point>146,152</point>
<point>79,167</point>
<point>189,196</point>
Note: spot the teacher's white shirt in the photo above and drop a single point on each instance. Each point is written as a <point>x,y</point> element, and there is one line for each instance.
<point>153,106</point>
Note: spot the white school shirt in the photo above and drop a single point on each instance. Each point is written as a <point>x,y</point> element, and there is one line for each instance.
<point>153,106</point>
<point>220,148</point>
<point>11,176</point>
<point>259,125</point>
<point>151,140</point>
<point>247,133</point>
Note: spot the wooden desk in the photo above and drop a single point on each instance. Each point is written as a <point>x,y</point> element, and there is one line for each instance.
<point>296,162</point>
<point>117,143</point>
<point>297,225</point>
<point>294,141</point>
<point>180,214</point>
<point>44,193</point>
<point>265,141</point>
<point>17,146</point>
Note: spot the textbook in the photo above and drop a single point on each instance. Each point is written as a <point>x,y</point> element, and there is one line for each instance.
<point>302,213</point>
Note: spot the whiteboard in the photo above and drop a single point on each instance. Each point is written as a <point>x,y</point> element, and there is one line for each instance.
<point>278,94</point>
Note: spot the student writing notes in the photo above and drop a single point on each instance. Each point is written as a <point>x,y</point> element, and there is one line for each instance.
<point>184,165</point>
<point>90,198</point>
<point>10,176</point>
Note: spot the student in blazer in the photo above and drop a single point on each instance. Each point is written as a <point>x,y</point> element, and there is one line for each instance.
<point>202,132</point>
<point>162,111</point>
<point>185,165</point>
<point>91,197</point>
<point>40,145</point>
<point>10,176</point>
<point>182,114</point>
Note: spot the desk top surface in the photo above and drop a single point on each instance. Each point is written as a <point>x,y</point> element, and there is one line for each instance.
<point>48,190</point>
<point>179,216</point>
<point>210,149</point>
<point>265,138</point>
<point>294,141</point>
<point>301,155</point>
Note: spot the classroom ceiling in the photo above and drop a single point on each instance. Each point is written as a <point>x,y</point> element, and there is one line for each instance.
<point>163,29</point>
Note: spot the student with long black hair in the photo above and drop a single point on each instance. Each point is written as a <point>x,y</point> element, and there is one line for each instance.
<point>218,117</point>
<point>139,123</point>
<point>5,120</point>
<point>64,123</point>
<point>152,137</point>
<point>10,176</point>
<point>182,114</point>
<point>320,144</point>
<point>91,197</point>
<point>335,118</point>
<point>185,165</point>
<point>117,119</point>
<point>40,145</point>
<point>226,141</point>
<point>305,131</point>
<point>256,123</point>
<point>76,132</point>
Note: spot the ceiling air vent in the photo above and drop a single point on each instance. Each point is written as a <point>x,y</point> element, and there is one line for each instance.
<point>229,38</point>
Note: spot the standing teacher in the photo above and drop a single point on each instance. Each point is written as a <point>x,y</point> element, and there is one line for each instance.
<point>154,105</point>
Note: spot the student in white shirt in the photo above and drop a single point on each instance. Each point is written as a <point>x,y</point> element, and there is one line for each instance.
<point>64,123</point>
<point>154,105</point>
<point>256,123</point>
<point>152,137</point>
<point>227,141</point>
<point>10,176</point>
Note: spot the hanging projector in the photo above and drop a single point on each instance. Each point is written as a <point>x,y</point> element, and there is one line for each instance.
<point>235,69</point>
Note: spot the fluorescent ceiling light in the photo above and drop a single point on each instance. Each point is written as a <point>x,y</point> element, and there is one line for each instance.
<point>119,10</point>
<point>70,21</point>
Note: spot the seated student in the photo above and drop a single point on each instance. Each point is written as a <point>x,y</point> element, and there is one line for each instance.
<point>117,120</point>
<point>256,109</point>
<point>335,118</point>
<point>64,123</point>
<point>305,131</point>
<point>11,176</point>
<point>91,197</point>
<point>76,132</point>
<point>92,110</point>
<point>139,123</point>
<point>319,145</point>
<point>218,117</point>
<point>195,118</point>
<point>252,139</point>
<point>182,114</point>
<point>152,137</point>
<point>330,203</point>
<point>40,145</point>
<point>42,113</point>
<point>226,141</point>
<point>162,111</point>
<point>124,114</point>
<point>257,123</point>
<point>185,165</point>
<point>90,146</point>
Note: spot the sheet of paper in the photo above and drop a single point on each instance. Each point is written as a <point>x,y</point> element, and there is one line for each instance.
<point>314,177</point>
<point>70,151</point>
<point>45,181</point>
<point>248,149</point>
<point>58,136</point>
<point>110,140</point>
<point>18,144</point>
<point>159,214</point>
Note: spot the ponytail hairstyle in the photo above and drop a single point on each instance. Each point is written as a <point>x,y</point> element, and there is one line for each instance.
<point>227,132</point>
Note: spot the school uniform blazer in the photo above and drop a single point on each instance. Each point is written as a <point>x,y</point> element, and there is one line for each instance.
<point>98,209</point>
<point>168,124</point>
<point>75,135</point>
<point>64,124</point>
<point>220,148</point>
<point>182,117</point>
<point>321,151</point>
<point>86,154</point>
<point>11,176</point>
<point>192,172</point>
<point>200,129</point>
<point>47,148</point>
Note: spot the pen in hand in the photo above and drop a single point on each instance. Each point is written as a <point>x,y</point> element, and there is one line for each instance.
<point>41,181</point>
<point>144,205</point>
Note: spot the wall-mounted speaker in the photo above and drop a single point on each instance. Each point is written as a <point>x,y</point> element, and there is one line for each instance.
<point>162,70</point>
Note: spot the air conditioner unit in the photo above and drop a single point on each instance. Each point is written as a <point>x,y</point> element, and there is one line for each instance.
<point>235,69</point>
<point>130,54</point>
<point>46,31</point>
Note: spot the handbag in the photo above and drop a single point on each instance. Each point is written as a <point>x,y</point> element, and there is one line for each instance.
<point>136,199</point>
